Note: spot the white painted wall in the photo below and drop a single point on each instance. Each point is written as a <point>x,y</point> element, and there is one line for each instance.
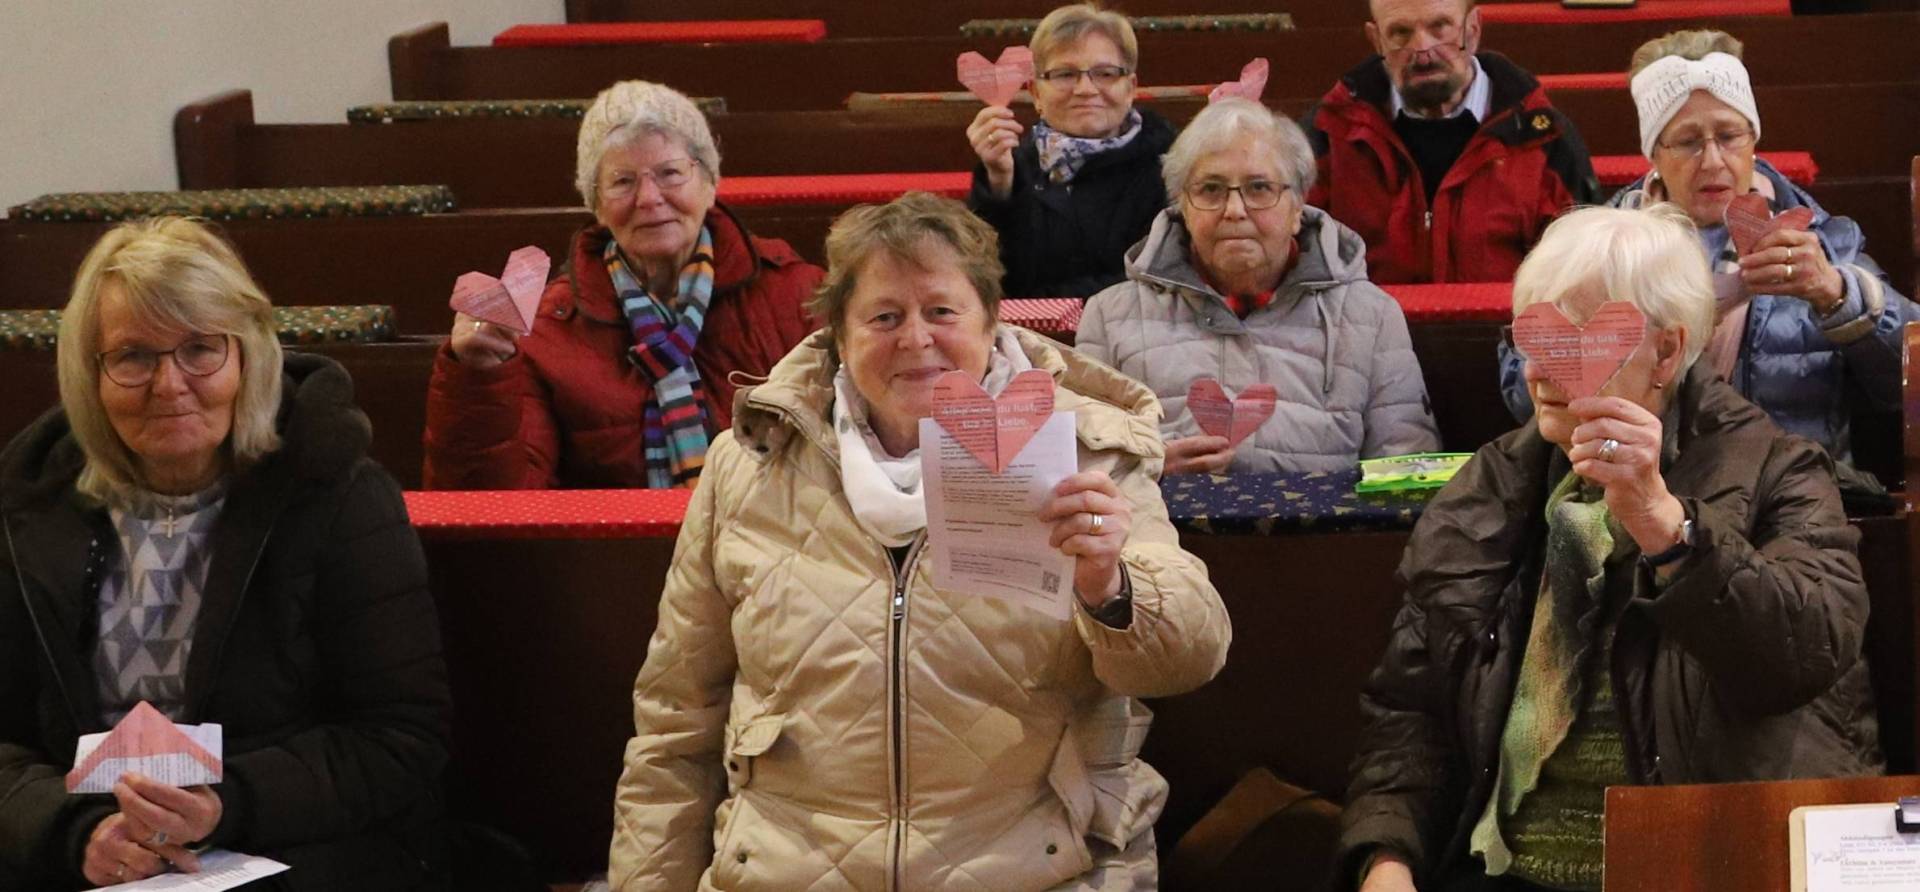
<point>88,88</point>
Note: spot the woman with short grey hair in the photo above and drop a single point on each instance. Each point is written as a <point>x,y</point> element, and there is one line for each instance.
<point>1240,282</point>
<point>630,368</point>
<point>196,534</point>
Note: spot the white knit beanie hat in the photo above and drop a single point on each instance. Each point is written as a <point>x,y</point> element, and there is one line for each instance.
<point>1661,88</point>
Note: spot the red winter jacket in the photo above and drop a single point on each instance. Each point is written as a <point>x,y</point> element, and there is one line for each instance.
<point>565,411</point>
<point>1524,165</point>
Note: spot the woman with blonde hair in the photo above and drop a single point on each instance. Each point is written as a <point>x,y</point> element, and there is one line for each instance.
<point>1649,585</point>
<point>197,527</point>
<point>1069,196</point>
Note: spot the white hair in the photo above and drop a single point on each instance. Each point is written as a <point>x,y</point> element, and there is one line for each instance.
<point>631,109</point>
<point>1224,124</point>
<point>1649,257</point>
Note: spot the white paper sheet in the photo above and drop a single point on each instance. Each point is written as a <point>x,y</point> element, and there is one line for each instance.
<point>1854,848</point>
<point>984,528</point>
<point>219,870</point>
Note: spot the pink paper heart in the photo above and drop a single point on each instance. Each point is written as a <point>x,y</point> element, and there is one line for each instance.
<point>509,301</point>
<point>996,83</point>
<point>1749,220</point>
<point>1235,418</point>
<point>1252,83</point>
<point>1579,359</point>
<point>994,430</point>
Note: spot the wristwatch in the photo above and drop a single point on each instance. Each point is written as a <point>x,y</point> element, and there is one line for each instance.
<point>1682,543</point>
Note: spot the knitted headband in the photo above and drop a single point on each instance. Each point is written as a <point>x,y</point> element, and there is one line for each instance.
<point>1661,88</point>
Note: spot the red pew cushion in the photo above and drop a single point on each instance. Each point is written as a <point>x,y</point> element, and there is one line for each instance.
<point>1646,11</point>
<point>1046,315</point>
<point>549,513</point>
<point>1615,171</point>
<point>595,33</point>
<point>839,188</point>
<point>1599,80</point>
<point>1459,302</point>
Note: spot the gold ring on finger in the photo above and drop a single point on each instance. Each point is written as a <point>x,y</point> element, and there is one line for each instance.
<point>1789,277</point>
<point>1096,523</point>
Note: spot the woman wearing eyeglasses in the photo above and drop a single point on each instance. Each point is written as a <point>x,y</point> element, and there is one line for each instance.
<point>1801,316</point>
<point>198,527</point>
<point>629,371</point>
<point>1071,195</point>
<point>1240,281</point>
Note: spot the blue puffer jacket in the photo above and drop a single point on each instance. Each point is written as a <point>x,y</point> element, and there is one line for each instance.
<point>1793,364</point>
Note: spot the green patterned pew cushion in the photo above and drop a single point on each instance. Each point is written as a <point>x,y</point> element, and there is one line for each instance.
<point>239,204</point>
<point>389,112</point>
<point>1253,21</point>
<point>40,329</point>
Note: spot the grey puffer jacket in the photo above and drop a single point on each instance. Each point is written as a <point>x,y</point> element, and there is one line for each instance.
<point>1333,345</point>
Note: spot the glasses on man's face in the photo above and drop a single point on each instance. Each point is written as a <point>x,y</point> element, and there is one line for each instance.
<point>199,356</point>
<point>1729,142</point>
<point>1103,76</point>
<point>1257,195</point>
<point>671,176</point>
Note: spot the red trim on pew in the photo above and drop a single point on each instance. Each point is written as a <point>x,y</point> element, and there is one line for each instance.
<point>839,188</point>
<point>1459,302</point>
<point>1046,315</point>
<point>1646,11</point>
<point>549,513</point>
<point>1615,171</point>
<point>1599,80</point>
<point>602,33</point>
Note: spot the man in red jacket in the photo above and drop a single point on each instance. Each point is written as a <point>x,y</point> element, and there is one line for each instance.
<point>1448,161</point>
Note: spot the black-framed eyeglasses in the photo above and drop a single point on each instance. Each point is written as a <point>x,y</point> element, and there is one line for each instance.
<point>200,355</point>
<point>1730,142</point>
<point>1103,76</point>
<point>1257,195</point>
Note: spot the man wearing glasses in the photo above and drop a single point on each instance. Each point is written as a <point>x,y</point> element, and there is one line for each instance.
<point>1448,161</point>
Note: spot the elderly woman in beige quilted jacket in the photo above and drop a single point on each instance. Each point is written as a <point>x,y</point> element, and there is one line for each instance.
<point>813,712</point>
<point>1240,281</point>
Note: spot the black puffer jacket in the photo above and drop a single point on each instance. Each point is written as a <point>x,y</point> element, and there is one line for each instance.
<point>316,647</point>
<point>1746,666</point>
<point>1071,240</point>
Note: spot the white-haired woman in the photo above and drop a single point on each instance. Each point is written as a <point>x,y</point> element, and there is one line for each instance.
<point>1651,585</point>
<point>629,371</point>
<point>1240,281</point>
<point>1804,320</point>
<point>198,527</point>
<point>1071,195</point>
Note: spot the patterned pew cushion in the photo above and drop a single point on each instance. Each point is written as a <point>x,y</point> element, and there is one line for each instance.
<point>389,112</point>
<point>1275,504</point>
<point>239,204</point>
<point>1023,28</point>
<point>40,329</point>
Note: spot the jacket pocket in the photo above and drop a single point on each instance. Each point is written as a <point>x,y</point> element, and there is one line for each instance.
<point>1109,793</point>
<point>747,742</point>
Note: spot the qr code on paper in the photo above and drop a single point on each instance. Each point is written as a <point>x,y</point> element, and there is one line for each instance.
<point>1050,582</point>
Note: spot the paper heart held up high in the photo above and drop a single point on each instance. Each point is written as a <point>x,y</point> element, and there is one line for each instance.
<point>1748,221</point>
<point>1252,83</point>
<point>996,83</point>
<point>994,430</point>
<point>1579,359</point>
<point>1235,418</point>
<point>509,301</point>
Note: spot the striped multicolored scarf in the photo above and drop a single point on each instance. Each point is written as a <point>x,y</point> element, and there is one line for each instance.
<point>673,427</point>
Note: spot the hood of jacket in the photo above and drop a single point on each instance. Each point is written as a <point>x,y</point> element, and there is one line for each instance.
<point>1111,411</point>
<point>322,434</point>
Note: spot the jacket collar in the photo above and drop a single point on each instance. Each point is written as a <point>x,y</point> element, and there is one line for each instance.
<point>737,261</point>
<point>51,530</point>
<point>1111,411</point>
<point>1365,94</point>
<point>1331,255</point>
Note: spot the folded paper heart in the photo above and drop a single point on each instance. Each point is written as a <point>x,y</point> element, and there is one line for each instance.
<point>509,301</point>
<point>1579,359</point>
<point>993,429</point>
<point>996,83</point>
<point>1749,220</point>
<point>1235,418</point>
<point>1252,83</point>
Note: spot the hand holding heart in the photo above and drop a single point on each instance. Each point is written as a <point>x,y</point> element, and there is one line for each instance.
<point>1096,556</point>
<point>1636,493</point>
<point>479,345</point>
<point>1779,255</point>
<point>994,134</point>
<point>490,314</point>
<point>1202,454</point>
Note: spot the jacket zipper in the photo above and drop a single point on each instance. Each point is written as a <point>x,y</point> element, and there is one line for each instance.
<point>896,710</point>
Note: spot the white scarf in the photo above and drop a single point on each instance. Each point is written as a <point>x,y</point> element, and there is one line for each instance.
<point>1662,87</point>
<point>883,490</point>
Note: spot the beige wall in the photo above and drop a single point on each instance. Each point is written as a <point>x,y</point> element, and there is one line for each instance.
<point>88,88</point>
